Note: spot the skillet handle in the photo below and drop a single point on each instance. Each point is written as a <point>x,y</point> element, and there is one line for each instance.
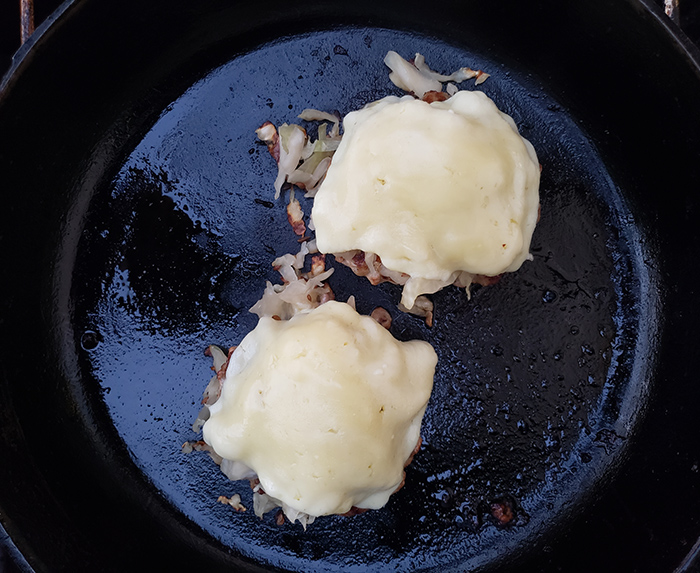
<point>26,15</point>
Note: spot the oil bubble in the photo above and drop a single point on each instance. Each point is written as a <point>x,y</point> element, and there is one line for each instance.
<point>90,340</point>
<point>549,296</point>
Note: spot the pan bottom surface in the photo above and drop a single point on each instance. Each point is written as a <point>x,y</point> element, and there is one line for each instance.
<point>541,378</point>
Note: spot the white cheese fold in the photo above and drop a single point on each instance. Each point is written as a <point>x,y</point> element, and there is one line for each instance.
<point>433,189</point>
<point>325,407</point>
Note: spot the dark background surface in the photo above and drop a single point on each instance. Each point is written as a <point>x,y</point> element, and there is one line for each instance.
<point>10,27</point>
<point>10,560</point>
<point>10,24</point>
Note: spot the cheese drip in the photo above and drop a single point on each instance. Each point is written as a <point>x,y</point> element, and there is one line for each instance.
<point>433,189</point>
<point>325,407</point>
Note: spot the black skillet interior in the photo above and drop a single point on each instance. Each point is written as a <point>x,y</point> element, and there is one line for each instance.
<point>153,230</point>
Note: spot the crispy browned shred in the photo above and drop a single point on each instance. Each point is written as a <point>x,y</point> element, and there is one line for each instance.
<point>267,132</point>
<point>370,265</point>
<point>201,446</point>
<point>503,512</point>
<point>432,96</point>
<point>353,511</point>
<point>295,216</point>
<point>221,374</point>
<point>484,280</point>
<point>234,501</point>
<point>382,316</point>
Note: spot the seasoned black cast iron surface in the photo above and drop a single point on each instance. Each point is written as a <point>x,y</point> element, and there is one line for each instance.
<point>533,393</point>
<point>542,379</point>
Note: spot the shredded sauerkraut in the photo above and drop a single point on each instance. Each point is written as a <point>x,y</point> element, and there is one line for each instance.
<point>303,163</point>
<point>299,292</point>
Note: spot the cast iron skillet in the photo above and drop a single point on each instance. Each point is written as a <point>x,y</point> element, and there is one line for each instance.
<point>138,227</point>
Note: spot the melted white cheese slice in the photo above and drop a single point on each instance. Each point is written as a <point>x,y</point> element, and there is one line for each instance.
<point>433,189</point>
<point>325,407</point>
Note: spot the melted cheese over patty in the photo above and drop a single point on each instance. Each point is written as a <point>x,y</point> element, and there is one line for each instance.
<point>433,189</point>
<point>325,407</point>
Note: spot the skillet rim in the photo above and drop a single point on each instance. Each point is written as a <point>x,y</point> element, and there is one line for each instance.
<point>24,56</point>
